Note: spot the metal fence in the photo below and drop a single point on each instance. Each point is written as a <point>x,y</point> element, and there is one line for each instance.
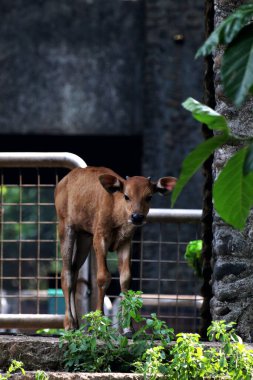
<point>30,292</point>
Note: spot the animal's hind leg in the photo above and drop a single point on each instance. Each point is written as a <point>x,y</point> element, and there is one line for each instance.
<point>67,240</point>
<point>80,274</point>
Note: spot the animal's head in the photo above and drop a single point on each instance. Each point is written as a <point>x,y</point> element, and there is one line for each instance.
<point>137,193</point>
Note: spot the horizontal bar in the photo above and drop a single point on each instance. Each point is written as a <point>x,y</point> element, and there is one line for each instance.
<point>31,321</point>
<point>161,215</point>
<point>34,159</point>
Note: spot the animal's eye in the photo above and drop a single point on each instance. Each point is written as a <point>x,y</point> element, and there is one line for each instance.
<point>148,198</point>
<point>126,197</point>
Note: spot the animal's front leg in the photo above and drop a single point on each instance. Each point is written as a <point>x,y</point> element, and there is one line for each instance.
<point>124,262</point>
<point>67,239</point>
<point>103,275</point>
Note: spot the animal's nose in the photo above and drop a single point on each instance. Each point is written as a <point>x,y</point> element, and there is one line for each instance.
<point>137,218</point>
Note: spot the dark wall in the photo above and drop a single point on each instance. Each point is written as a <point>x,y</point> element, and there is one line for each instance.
<point>71,67</point>
<point>112,68</point>
<point>174,31</point>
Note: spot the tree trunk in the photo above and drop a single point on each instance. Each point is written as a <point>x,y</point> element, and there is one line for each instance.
<point>232,280</point>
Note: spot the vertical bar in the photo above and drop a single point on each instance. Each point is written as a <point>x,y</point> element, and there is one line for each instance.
<point>1,233</point>
<point>177,275</point>
<point>56,258</point>
<point>141,259</point>
<point>38,243</point>
<point>20,246</point>
<point>159,270</point>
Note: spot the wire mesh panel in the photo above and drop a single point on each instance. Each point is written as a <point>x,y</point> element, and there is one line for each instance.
<point>170,287</point>
<point>30,261</point>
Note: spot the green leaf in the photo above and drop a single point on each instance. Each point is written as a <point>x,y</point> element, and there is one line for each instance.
<point>227,30</point>
<point>194,161</point>
<point>248,162</point>
<point>206,115</point>
<point>233,192</point>
<point>237,66</point>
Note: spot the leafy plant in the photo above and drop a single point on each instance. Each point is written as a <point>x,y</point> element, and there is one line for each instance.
<point>236,31</point>
<point>188,359</point>
<point>130,306</point>
<point>193,256</point>
<point>14,367</point>
<point>151,363</point>
<point>84,349</point>
<point>41,375</point>
<point>233,190</point>
<point>57,332</point>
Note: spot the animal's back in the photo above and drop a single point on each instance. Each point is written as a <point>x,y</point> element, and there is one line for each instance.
<point>79,195</point>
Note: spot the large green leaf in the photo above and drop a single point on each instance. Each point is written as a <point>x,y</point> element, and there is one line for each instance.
<point>233,192</point>
<point>227,30</point>
<point>248,162</point>
<point>237,66</point>
<point>194,161</point>
<point>206,115</point>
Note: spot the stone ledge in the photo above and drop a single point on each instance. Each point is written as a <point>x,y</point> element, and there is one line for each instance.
<point>43,353</point>
<point>35,352</point>
<point>81,376</point>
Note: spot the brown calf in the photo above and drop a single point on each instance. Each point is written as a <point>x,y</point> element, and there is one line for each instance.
<point>97,208</point>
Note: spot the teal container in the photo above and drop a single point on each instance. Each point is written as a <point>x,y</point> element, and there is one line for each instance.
<point>56,303</point>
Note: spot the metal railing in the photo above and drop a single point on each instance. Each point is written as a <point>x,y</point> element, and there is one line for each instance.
<point>30,294</point>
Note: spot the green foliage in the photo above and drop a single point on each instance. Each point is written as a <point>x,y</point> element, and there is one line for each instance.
<point>18,366</point>
<point>158,330</point>
<point>85,346</point>
<point>248,161</point>
<point>206,115</point>
<point>130,306</point>
<point>189,360</point>
<point>57,332</point>
<point>237,62</point>
<point>84,349</point>
<point>14,367</point>
<point>227,30</point>
<point>233,191</point>
<point>193,256</point>
<point>41,375</point>
<point>234,358</point>
<point>198,156</point>
<point>237,66</point>
<point>152,363</point>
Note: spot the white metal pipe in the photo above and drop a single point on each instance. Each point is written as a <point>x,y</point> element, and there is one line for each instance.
<point>161,215</point>
<point>41,159</point>
<point>31,321</point>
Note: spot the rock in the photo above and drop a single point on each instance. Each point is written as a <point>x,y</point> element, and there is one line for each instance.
<point>35,352</point>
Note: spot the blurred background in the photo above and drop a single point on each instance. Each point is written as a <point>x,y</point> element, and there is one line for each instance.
<point>104,79</point>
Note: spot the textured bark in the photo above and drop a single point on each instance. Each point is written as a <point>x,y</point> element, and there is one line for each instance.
<point>207,218</point>
<point>232,249</point>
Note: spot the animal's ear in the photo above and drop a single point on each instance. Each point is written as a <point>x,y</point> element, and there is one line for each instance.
<point>111,183</point>
<point>165,185</point>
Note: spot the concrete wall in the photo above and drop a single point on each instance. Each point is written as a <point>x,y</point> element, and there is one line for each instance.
<point>95,68</point>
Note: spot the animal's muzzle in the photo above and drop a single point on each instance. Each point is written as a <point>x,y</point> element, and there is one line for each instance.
<point>137,219</point>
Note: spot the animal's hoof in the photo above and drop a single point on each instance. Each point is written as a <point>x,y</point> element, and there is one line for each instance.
<point>128,332</point>
<point>70,324</point>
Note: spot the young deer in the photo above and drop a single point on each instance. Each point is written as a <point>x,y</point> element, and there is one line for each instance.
<point>98,209</point>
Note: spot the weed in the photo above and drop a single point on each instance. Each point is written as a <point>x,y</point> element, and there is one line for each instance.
<point>14,366</point>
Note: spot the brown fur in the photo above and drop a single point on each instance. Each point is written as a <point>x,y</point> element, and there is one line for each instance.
<point>97,209</point>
